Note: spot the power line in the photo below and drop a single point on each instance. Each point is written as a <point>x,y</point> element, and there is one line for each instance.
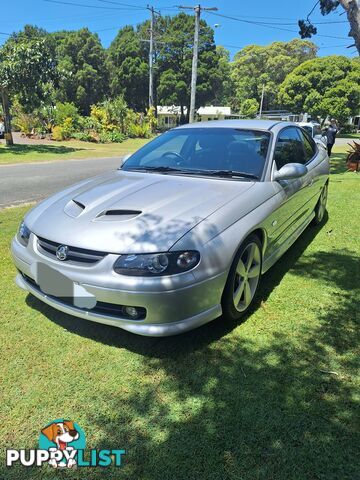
<point>90,6</point>
<point>269,26</point>
<point>123,4</point>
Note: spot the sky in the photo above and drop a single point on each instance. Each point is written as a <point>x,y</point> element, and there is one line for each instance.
<point>274,20</point>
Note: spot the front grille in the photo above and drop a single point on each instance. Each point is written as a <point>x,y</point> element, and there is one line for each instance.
<point>75,254</point>
<point>102,308</point>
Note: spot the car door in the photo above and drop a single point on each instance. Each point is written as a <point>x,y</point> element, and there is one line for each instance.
<point>314,155</point>
<point>293,194</point>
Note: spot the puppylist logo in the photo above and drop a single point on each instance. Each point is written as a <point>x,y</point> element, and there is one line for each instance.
<point>62,445</point>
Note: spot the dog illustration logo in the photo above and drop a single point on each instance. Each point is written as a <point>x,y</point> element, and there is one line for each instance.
<point>62,438</point>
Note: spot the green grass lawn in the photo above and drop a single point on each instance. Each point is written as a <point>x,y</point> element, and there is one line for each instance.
<point>355,136</point>
<point>72,149</point>
<point>252,400</point>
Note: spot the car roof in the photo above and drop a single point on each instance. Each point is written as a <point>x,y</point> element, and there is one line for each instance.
<point>307,124</point>
<point>242,124</point>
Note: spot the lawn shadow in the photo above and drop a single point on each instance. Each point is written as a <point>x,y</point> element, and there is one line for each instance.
<point>187,342</point>
<point>337,162</point>
<point>28,149</point>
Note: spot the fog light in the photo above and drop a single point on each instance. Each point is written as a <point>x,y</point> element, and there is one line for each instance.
<point>131,312</point>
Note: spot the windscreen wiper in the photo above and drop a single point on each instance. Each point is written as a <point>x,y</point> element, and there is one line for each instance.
<point>230,173</point>
<point>154,169</point>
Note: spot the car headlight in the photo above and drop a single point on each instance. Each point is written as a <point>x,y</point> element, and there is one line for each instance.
<point>23,234</point>
<point>150,264</point>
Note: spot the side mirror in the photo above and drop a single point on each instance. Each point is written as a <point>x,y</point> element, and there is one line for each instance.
<point>123,159</point>
<point>290,171</point>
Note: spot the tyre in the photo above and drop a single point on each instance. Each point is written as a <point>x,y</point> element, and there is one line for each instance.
<point>320,208</point>
<point>243,279</point>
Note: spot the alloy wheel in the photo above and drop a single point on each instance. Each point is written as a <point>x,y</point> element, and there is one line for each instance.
<point>247,275</point>
<point>322,203</point>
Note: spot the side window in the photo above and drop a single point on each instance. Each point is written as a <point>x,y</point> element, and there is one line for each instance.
<point>317,130</point>
<point>309,146</point>
<point>289,148</point>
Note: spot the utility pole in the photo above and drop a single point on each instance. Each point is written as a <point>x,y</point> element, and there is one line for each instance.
<point>197,10</point>
<point>262,100</point>
<point>151,58</point>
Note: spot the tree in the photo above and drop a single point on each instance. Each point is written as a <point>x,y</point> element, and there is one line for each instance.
<point>249,108</point>
<point>26,66</point>
<point>256,66</point>
<point>82,67</point>
<point>175,61</point>
<point>327,86</point>
<point>224,86</point>
<point>128,66</point>
<point>352,9</point>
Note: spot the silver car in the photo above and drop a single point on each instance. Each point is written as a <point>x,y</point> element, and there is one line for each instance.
<point>181,233</point>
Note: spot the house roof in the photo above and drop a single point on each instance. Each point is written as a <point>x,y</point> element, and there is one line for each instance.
<point>211,110</point>
<point>170,110</point>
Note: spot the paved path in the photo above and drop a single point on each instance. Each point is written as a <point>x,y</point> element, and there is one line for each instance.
<point>30,182</point>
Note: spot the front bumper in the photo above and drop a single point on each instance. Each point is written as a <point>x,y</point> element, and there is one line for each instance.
<point>173,306</point>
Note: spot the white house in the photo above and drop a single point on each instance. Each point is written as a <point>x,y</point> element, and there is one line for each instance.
<point>214,113</point>
<point>169,116</point>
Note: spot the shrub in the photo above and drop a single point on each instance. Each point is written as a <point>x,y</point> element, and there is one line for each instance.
<point>349,128</point>
<point>85,136</point>
<point>99,115</point>
<point>139,130</point>
<point>112,137</point>
<point>353,156</point>
<point>27,123</point>
<point>63,111</point>
<point>64,131</point>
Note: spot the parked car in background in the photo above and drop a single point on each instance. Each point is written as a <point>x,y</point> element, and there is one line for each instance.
<point>181,233</point>
<point>2,130</point>
<point>314,129</point>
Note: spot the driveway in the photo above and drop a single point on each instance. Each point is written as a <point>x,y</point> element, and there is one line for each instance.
<point>23,183</point>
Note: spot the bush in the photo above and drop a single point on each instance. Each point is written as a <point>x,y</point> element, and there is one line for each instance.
<point>64,111</point>
<point>139,131</point>
<point>64,131</point>
<point>26,122</point>
<point>85,136</point>
<point>112,137</point>
<point>348,128</point>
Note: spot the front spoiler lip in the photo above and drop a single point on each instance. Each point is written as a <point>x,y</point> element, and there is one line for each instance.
<point>149,330</point>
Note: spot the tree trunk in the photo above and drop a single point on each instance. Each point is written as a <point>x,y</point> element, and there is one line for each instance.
<point>7,117</point>
<point>352,8</point>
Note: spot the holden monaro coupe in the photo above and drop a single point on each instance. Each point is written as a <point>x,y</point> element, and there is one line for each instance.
<point>181,233</point>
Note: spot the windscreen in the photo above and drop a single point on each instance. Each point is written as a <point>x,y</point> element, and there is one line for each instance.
<point>205,149</point>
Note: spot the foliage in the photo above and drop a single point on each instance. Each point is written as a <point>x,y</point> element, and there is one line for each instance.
<point>111,137</point>
<point>151,119</point>
<point>224,85</point>
<point>256,66</point>
<point>353,155</point>
<point>25,122</point>
<point>26,68</point>
<point>174,62</point>
<point>62,111</point>
<point>82,64</point>
<point>327,86</point>
<point>348,128</point>
<point>128,66</point>
<point>249,108</point>
<point>64,131</point>
<point>352,9</point>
